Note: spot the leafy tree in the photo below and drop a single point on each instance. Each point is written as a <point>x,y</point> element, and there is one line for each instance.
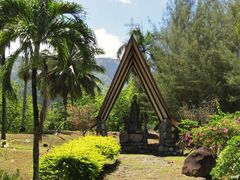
<point>194,53</point>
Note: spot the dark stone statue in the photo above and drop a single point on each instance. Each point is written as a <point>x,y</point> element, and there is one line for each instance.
<point>134,120</point>
<point>126,123</point>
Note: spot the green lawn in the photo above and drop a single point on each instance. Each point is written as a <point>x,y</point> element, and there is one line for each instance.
<point>19,156</point>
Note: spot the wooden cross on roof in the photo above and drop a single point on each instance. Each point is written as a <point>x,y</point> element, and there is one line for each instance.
<point>132,25</point>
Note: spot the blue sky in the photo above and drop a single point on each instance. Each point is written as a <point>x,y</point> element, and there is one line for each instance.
<point>108,18</point>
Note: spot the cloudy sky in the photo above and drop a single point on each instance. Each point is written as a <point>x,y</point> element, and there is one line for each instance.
<point>108,19</point>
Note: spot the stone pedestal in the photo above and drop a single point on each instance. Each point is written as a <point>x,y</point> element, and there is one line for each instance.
<point>167,144</point>
<point>133,142</point>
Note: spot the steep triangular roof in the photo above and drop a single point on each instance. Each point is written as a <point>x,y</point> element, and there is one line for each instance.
<point>133,59</point>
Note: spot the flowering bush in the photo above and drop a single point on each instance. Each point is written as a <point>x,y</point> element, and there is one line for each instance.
<point>185,126</point>
<point>217,132</point>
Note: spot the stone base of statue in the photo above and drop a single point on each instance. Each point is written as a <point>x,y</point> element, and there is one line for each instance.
<point>132,143</point>
<point>168,150</point>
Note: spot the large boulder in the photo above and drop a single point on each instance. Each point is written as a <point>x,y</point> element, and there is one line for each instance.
<point>199,163</point>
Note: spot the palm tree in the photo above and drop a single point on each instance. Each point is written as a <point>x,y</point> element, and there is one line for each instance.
<point>43,84</point>
<point>4,104</point>
<point>75,74</point>
<point>4,98</point>
<point>42,21</point>
<point>24,74</point>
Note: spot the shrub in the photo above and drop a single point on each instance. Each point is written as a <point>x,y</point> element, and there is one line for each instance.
<point>217,132</point>
<point>106,146</point>
<point>83,158</point>
<point>185,126</point>
<point>228,162</point>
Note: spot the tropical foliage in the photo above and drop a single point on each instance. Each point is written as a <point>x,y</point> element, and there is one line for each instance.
<point>228,162</point>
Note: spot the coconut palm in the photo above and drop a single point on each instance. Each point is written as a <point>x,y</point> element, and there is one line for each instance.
<point>74,75</point>
<point>4,113</point>
<point>4,99</point>
<point>42,21</point>
<point>24,74</point>
<point>43,81</point>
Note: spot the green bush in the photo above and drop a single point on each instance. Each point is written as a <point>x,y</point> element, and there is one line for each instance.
<point>228,162</point>
<point>83,158</point>
<point>106,146</point>
<point>186,125</point>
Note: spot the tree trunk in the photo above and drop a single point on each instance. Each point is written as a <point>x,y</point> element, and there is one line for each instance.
<point>4,118</point>
<point>65,111</point>
<point>43,112</point>
<point>22,128</point>
<point>4,105</point>
<point>25,78</point>
<point>35,113</point>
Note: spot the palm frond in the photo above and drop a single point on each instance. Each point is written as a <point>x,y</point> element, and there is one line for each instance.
<point>6,36</point>
<point>7,69</point>
<point>64,8</point>
<point>11,9</point>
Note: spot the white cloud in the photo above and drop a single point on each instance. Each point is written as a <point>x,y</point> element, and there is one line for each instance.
<point>108,42</point>
<point>125,1</point>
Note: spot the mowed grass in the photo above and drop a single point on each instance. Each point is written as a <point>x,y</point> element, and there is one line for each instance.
<point>18,155</point>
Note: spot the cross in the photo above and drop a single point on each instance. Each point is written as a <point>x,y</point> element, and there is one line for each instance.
<point>132,25</point>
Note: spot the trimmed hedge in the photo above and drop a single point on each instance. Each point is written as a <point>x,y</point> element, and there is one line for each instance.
<point>83,158</point>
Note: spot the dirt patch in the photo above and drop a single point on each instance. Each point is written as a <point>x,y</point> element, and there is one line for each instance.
<point>145,167</point>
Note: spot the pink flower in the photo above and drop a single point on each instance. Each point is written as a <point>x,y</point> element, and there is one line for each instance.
<point>187,136</point>
<point>225,130</point>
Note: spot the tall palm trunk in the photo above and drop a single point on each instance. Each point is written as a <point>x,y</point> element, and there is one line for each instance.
<point>22,128</point>
<point>25,78</point>
<point>4,105</point>
<point>43,112</point>
<point>35,113</point>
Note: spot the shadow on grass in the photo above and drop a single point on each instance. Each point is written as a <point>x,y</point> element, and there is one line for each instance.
<point>109,169</point>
